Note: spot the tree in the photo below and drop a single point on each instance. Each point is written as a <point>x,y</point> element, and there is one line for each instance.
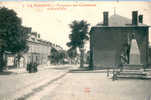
<point>78,37</point>
<point>72,53</point>
<point>61,56</point>
<point>57,56</point>
<point>53,57</point>
<point>87,57</point>
<point>12,34</point>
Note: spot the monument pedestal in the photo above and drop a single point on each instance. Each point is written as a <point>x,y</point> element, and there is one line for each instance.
<point>133,69</point>
<point>134,53</point>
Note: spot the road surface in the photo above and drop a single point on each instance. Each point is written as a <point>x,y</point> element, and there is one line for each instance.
<point>97,86</point>
<point>14,85</point>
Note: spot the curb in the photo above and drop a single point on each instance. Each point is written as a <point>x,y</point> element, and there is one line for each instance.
<point>39,88</point>
<point>88,71</point>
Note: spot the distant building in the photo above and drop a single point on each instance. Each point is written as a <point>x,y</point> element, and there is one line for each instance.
<point>112,39</point>
<point>39,50</point>
<point>58,54</point>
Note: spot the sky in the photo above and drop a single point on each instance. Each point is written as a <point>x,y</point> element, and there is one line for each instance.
<point>51,19</point>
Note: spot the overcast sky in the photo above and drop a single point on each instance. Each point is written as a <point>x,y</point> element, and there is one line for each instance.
<point>52,19</point>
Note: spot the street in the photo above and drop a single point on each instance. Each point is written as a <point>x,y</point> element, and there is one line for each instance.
<point>56,83</point>
<point>14,86</point>
<point>97,86</point>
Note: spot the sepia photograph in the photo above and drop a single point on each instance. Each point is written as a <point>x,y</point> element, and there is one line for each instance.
<point>75,50</point>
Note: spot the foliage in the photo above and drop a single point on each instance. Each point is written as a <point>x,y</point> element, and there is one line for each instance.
<point>78,37</point>
<point>13,38</point>
<point>53,56</point>
<point>61,55</point>
<point>12,32</point>
<point>72,53</point>
<point>79,34</point>
<point>56,56</point>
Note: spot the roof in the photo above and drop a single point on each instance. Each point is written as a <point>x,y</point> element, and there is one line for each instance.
<point>120,21</point>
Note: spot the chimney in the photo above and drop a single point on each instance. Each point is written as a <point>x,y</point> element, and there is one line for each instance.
<point>105,18</point>
<point>140,18</point>
<point>134,17</point>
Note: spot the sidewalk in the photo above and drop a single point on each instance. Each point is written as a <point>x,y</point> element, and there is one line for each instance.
<point>19,86</point>
<point>23,70</point>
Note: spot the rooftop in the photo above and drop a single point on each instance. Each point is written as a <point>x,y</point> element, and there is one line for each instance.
<point>120,21</point>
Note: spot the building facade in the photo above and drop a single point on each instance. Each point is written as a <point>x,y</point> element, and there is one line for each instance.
<point>39,50</point>
<point>112,38</point>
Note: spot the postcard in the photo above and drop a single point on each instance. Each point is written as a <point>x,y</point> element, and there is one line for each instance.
<point>75,50</point>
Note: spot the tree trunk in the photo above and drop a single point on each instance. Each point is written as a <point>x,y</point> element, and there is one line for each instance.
<point>15,62</point>
<point>81,57</point>
<point>1,62</point>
